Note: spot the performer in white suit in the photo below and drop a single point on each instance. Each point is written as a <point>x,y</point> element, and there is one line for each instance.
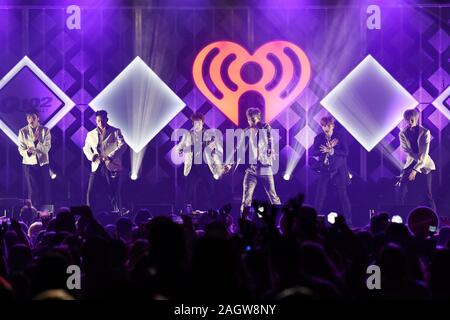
<point>199,175</point>
<point>260,147</point>
<point>104,147</point>
<point>34,144</point>
<point>417,171</point>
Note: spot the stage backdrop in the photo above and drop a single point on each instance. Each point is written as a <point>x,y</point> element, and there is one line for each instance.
<point>412,45</point>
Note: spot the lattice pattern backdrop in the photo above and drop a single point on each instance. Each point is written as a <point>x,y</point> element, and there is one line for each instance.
<point>413,45</point>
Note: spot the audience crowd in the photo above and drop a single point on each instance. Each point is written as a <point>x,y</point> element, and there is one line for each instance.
<point>279,253</point>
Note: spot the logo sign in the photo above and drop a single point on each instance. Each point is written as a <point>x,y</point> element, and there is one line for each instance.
<point>283,72</point>
<point>27,87</point>
<point>373,281</point>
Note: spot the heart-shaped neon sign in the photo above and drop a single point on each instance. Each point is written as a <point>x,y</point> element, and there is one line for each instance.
<point>279,83</point>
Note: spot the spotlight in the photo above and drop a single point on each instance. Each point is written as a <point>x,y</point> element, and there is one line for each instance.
<point>396,219</point>
<point>287,176</point>
<point>331,218</point>
<point>52,174</point>
<point>369,117</point>
<point>140,104</point>
<point>133,176</point>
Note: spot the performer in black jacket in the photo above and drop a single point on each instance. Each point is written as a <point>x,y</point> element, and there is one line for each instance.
<point>332,150</point>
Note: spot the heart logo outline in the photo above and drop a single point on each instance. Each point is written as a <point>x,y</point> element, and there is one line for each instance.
<point>275,103</point>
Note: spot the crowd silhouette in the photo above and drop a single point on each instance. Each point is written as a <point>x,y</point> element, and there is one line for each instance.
<point>280,253</point>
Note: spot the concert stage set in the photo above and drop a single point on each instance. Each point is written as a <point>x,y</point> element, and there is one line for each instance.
<point>152,65</point>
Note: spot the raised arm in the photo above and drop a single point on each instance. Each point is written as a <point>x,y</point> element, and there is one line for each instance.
<point>341,149</point>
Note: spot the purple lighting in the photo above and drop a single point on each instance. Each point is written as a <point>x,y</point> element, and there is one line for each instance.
<point>27,87</point>
<point>369,102</point>
<point>442,103</point>
<point>139,103</point>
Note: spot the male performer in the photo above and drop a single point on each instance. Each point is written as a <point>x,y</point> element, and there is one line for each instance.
<point>417,171</point>
<point>34,145</point>
<point>332,150</point>
<point>262,150</point>
<point>104,147</point>
<point>199,175</point>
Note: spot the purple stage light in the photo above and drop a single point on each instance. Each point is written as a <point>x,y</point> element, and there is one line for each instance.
<point>442,103</point>
<point>139,103</point>
<point>306,137</point>
<point>27,87</point>
<point>369,102</point>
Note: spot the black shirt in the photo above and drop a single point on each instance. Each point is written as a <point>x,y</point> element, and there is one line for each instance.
<point>413,136</point>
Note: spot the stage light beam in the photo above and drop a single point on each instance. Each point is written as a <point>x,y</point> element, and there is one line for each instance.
<point>369,103</point>
<point>52,174</point>
<point>140,104</point>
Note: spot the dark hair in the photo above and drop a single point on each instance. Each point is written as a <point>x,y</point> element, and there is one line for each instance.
<point>32,112</point>
<point>326,120</point>
<point>101,113</point>
<point>411,113</point>
<point>198,116</point>
<point>253,112</point>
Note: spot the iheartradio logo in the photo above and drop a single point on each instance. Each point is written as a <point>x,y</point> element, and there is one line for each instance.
<point>280,69</point>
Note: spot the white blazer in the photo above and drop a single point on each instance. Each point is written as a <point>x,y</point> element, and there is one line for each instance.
<point>424,162</point>
<point>113,147</point>
<point>213,155</point>
<point>26,140</point>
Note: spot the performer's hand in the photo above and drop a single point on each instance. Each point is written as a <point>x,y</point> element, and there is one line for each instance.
<point>31,151</point>
<point>107,160</point>
<point>324,149</point>
<point>96,158</point>
<point>412,175</point>
<point>333,143</point>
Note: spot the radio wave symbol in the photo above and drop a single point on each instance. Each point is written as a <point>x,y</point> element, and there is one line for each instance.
<point>218,72</point>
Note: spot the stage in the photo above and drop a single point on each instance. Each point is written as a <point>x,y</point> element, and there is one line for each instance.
<point>146,64</point>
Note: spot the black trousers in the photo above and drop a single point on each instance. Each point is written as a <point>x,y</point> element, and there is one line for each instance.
<point>103,182</point>
<point>38,184</point>
<point>338,181</point>
<point>418,192</point>
<point>199,188</point>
